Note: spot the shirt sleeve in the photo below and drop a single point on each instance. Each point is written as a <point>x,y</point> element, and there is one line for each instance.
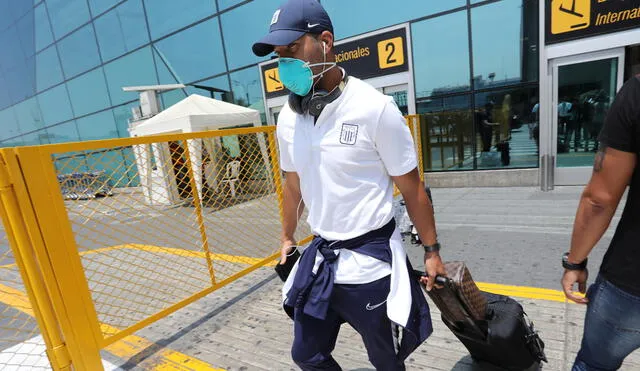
<point>622,121</point>
<point>394,142</point>
<point>285,147</point>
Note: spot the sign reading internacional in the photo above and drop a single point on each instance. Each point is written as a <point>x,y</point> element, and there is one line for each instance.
<point>366,57</point>
<point>575,19</point>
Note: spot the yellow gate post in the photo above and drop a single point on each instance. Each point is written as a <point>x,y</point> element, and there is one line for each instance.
<point>50,247</point>
<point>21,246</point>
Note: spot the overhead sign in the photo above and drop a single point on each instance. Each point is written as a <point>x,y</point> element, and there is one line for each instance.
<point>575,19</point>
<point>365,57</point>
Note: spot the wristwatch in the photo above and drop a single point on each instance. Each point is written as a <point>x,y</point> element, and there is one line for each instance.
<point>572,266</point>
<point>432,248</point>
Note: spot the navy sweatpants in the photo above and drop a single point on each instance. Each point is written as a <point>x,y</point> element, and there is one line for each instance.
<point>364,308</point>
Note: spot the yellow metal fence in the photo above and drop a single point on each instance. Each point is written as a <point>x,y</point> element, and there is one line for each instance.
<point>129,230</point>
<point>113,235</point>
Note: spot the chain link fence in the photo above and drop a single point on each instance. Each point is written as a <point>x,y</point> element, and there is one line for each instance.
<point>187,216</point>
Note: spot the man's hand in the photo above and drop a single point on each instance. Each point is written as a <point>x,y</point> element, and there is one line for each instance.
<point>572,277</point>
<point>285,250</point>
<point>434,267</point>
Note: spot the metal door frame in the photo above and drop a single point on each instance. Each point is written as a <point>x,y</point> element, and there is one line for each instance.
<point>572,175</point>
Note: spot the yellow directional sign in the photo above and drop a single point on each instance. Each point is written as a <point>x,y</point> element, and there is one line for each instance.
<point>570,15</point>
<point>272,80</point>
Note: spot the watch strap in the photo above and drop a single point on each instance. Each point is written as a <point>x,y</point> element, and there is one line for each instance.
<point>573,266</point>
<point>432,248</point>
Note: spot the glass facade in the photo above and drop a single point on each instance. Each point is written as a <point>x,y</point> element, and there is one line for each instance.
<point>63,64</point>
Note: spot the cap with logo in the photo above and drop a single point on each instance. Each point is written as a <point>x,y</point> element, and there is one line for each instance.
<point>293,19</point>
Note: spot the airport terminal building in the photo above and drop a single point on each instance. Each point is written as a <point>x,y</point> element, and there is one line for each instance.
<point>542,73</point>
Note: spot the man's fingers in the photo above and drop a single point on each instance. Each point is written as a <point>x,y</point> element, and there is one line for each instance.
<point>284,252</point>
<point>283,256</point>
<point>568,292</point>
<point>577,299</point>
<point>582,287</point>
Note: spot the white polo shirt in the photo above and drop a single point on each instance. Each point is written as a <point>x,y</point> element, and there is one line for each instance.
<point>345,163</point>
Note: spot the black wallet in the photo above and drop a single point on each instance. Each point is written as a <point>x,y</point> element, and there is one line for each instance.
<point>283,270</point>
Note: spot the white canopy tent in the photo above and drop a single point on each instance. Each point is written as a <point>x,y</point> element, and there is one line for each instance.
<point>193,114</point>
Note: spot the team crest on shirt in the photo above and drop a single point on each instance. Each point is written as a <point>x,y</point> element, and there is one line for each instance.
<point>349,134</point>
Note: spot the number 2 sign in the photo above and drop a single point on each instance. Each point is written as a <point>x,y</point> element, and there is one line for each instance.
<point>390,53</point>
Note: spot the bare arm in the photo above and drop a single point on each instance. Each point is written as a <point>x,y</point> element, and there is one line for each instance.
<point>612,173</point>
<point>292,198</point>
<point>421,213</point>
<point>418,205</point>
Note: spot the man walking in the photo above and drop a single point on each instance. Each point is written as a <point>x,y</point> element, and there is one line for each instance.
<point>612,322</point>
<point>342,146</point>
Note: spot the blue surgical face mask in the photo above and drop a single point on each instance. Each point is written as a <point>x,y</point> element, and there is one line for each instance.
<point>296,74</point>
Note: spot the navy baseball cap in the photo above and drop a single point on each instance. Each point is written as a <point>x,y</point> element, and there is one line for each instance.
<point>293,19</point>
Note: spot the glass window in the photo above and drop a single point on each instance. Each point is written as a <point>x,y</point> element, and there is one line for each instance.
<point>131,178</point>
<point>35,138</point>
<point>11,52</point>
<point>79,52</point>
<point>165,74</point>
<point>26,32</point>
<point>224,4</point>
<point>20,8</point>
<point>70,162</point>
<point>5,98</point>
<point>530,39</point>
<point>98,126</point>
<point>498,56</point>
<point>505,126</point>
<point>585,93</point>
<point>174,96</point>
<point>55,105</point>
<point>193,53</point>
<point>42,27</point>
<point>220,82</point>
<point>242,27</point>
<point>63,133</point>
<point>122,114</point>
<point>112,163</point>
<point>89,93</point>
<point>28,115</point>
<point>8,124</point>
<point>245,85</point>
<point>441,64</point>
<point>374,14</point>
<point>447,133</point>
<point>121,30</point>
<point>166,16</point>
<point>48,71</point>
<point>12,142</point>
<point>67,15</point>
<point>21,80</point>
<point>132,70</point>
<point>99,6</point>
<point>6,17</point>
